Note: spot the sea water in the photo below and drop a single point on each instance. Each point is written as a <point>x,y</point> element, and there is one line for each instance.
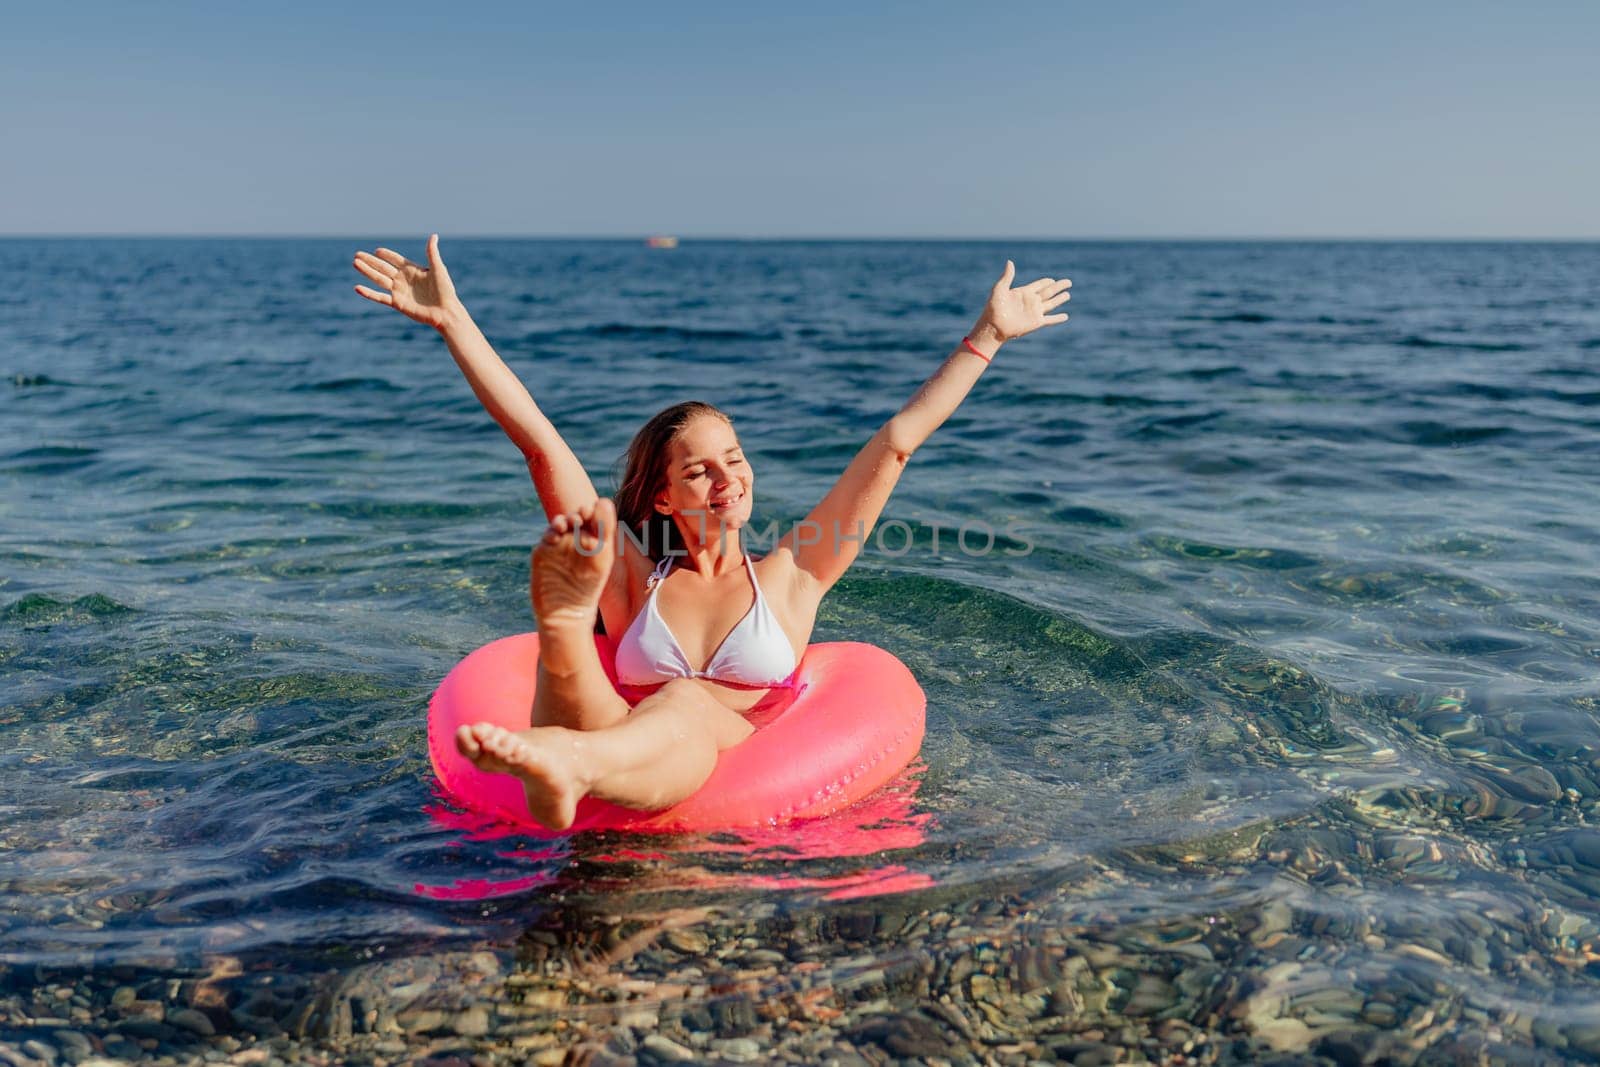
<point>1268,713</point>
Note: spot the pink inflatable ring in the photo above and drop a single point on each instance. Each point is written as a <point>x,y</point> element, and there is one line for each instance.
<point>851,722</point>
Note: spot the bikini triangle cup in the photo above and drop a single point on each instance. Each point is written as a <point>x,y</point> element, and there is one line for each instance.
<point>756,652</point>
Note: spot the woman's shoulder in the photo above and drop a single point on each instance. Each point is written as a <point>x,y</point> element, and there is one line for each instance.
<point>780,574</point>
<point>634,564</point>
<point>627,586</point>
<point>778,560</point>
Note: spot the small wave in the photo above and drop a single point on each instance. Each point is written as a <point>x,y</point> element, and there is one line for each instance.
<point>423,509</point>
<point>1271,559</point>
<point>1120,400</point>
<point>1087,516</point>
<point>243,481</point>
<point>1206,374</point>
<point>1485,390</point>
<point>1430,434</point>
<point>879,345</point>
<point>1251,296</point>
<point>50,459</point>
<point>1473,644</point>
<point>811,452</point>
<point>1419,341</point>
<point>56,452</point>
<point>347,385</point>
<point>1584,399</point>
<point>41,609</point>
<point>30,381</point>
<point>1250,317</point>
<point>1173,423</point>
<point>1059,439</point>
<point>686,333</point>
<point>949,614</point>
<point>627,331</point>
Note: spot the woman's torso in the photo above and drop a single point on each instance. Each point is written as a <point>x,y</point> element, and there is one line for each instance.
<point>702,614</point>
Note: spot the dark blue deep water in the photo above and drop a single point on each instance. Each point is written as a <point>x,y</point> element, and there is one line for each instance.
<point>1284,732</point>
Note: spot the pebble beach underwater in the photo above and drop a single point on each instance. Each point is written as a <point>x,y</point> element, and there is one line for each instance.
<point>1264,729</point>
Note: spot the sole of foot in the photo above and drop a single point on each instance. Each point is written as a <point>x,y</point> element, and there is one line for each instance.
<point>549,780</point>
<point>570,566</point>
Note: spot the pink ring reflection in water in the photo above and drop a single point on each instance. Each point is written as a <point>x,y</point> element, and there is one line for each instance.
<point>883,822</point>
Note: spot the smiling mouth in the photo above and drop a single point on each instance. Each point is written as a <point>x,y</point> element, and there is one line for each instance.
<point>725,504</point>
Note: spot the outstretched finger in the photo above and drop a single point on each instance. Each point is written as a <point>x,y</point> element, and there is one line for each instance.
<point>391,256</point>
<point>1060,287</point>
<point>1005,279</point>
<point>385,280</point>
<point>1051,320</point>
<point>1055,301</point>
<point>377,264</point>
<point>375,296</point>
<point>1041,285</point>
<point>435,263</point>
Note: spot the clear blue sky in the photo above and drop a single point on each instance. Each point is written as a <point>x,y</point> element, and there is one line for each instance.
<point>1281,119</point>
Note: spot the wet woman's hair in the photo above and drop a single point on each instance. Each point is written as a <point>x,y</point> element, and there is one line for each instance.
<point>644,476</point>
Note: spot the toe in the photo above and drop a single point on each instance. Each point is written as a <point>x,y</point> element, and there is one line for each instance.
<point>466,744</point>
<point>501,743</point>
<point>513,749</point>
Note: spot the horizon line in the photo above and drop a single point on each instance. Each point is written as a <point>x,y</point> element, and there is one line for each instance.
<point>830,238</point>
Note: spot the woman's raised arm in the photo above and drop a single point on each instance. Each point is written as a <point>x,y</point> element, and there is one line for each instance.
<point>427,295</point>
<point>829,540</point>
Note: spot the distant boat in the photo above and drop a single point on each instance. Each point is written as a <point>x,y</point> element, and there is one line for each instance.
<point>661,240</point>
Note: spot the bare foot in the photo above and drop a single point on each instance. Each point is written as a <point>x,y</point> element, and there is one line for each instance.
<point>467,744</point>
<point>550,777</point>
<point>570,566</point>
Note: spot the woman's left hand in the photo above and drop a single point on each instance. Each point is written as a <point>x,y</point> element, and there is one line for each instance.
<point>1014,312</point>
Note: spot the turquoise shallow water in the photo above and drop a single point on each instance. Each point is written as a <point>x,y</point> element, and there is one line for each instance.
<point>1307,623</point>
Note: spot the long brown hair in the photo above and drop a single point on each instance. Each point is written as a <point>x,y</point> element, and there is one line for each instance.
<point>645,474</point>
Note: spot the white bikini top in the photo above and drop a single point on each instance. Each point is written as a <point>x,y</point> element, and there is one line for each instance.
<point>757,651</point>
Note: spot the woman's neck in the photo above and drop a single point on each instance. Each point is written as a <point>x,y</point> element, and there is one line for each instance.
<point>713,557</point>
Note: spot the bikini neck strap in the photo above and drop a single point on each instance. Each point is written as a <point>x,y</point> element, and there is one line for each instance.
<point>664,566</point>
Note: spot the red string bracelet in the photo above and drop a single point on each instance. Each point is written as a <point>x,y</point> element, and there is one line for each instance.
<point>974,349</point>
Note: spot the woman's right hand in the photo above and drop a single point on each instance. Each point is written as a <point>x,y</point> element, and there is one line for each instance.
<point>425,294</point>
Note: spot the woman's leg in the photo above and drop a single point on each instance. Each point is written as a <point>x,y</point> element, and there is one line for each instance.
<point>662,753</point>
<point>573,690</point>
<point>565,585</point>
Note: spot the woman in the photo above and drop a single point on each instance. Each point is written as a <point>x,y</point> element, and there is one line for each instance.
<point>686,494</point>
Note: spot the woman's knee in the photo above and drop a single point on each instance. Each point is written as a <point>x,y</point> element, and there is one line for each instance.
<point>727,727</point>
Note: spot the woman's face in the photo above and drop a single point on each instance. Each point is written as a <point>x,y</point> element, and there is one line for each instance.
<point>709,483</point>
